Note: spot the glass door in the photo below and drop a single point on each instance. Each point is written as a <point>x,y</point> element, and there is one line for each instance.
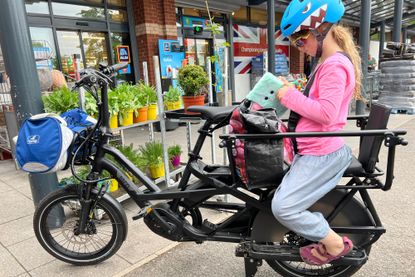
<point>70,52</point>
<point>95,49</point>
<point>81,49</point>
<point>197,51</point>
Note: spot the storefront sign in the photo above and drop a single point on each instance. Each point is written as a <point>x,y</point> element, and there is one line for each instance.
<point>123,54</point>
<point>190,22</point>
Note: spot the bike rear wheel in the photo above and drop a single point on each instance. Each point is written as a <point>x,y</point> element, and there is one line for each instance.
<point>56,221</point>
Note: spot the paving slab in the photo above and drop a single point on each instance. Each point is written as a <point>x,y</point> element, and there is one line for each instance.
<point>8,264</point>
<point>16,231</point>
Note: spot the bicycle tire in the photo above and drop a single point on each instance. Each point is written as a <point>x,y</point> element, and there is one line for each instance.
<point>53,203</point>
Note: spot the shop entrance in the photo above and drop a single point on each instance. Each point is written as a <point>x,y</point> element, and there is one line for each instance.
<point>197,50</point>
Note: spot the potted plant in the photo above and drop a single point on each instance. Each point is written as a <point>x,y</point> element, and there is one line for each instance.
<point>174,154</point>
<point>172,99</point>
<point>60,100</point>
<point>192,79</point>
<point>140,114</point>
<point>152,153</point>
<point>150,93</point>
<point>126,103</point>
<point>113,108</point>
<point>91,107</point>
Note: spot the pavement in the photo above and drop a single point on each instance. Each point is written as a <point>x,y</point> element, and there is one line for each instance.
<point>146,254</point>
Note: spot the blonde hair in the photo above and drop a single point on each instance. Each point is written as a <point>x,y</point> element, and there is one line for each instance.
<point>344,38</point>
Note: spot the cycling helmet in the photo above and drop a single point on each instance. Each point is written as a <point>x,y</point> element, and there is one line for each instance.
<point>309,14</point>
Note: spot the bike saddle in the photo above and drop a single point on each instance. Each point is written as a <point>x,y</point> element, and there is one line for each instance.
<point>215,114</point>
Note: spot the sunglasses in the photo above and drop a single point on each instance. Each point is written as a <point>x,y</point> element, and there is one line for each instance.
<point>298,39</point>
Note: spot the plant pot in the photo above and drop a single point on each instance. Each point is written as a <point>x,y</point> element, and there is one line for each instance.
<point>157,171</point>
<point>114,121</point>
<point>152,112</point>
<point>175,161</point>
<point>127,118</point>
<point>113,185</point>
<point>177,105</point>
<point>170,106</point>
<point>142,115</point>
<point>193,101</point>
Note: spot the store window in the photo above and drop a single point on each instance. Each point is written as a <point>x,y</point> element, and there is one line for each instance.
<point>43,47</point>
<point>69,10</point>
<point>121,39</point>
<point>117,15</point>
<point>119,3</point>
<point>40,7</point>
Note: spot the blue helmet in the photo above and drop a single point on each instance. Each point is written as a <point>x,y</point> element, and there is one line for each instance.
<point>309,14</point>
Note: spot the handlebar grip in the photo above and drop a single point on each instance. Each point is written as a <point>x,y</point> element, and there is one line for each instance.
<point>114,68</point>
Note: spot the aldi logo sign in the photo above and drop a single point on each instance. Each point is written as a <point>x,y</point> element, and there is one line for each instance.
<point>123,54</point>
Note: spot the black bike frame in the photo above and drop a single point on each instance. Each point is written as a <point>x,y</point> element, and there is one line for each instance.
<point>216,187</point>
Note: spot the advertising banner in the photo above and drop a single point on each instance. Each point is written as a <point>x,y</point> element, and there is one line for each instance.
<point>249,42</point>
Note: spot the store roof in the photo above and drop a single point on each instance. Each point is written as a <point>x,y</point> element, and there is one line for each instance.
<point>380,10</point>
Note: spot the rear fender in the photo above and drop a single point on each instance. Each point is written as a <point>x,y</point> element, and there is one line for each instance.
<point>265,228</point>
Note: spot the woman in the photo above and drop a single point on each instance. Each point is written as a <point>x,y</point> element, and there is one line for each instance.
<point>320,162</point>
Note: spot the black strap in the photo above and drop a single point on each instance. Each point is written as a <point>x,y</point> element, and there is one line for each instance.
<point>295,117</point>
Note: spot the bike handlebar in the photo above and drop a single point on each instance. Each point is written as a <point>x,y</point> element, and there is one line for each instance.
<point>91,78</point>
<point>108,70</point>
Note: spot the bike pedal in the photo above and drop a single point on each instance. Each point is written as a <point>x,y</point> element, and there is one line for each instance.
<point>142,213</point>
<point>208,227</point>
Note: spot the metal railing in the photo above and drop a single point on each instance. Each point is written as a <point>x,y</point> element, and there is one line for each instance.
<point>5,106</point>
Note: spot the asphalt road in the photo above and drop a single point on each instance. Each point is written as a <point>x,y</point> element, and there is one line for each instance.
<point>392,255</point>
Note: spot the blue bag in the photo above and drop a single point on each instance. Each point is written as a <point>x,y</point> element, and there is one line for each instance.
<point>42,144</point>
<point>81,124</point>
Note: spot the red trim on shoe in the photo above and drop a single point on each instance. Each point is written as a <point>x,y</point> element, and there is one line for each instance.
<point>309,258</point>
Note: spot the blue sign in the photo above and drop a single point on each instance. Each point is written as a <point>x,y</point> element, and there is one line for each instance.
<point>170,58</point>
<point>190,22</point>
<point>219,69</point>
<point>126,70</point>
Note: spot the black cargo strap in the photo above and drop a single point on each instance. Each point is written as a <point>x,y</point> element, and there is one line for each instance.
<point>295,117</point>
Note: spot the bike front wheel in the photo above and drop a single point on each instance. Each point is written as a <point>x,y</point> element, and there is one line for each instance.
<point>56,222</point>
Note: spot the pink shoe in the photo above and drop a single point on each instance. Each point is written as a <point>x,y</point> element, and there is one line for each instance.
<point>309,258</point>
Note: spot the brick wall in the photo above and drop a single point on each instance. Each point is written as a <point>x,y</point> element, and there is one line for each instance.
<point>154,20</point>
<point>296,61</point>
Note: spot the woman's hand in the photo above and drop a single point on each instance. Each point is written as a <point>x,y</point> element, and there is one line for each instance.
<point>286,86</point>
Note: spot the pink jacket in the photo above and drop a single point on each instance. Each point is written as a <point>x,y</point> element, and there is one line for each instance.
<point>327,106</point>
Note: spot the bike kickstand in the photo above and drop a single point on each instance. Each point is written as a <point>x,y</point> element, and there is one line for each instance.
<point>251,266</point>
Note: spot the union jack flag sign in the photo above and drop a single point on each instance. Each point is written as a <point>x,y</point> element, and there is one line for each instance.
<point>248,42</point>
